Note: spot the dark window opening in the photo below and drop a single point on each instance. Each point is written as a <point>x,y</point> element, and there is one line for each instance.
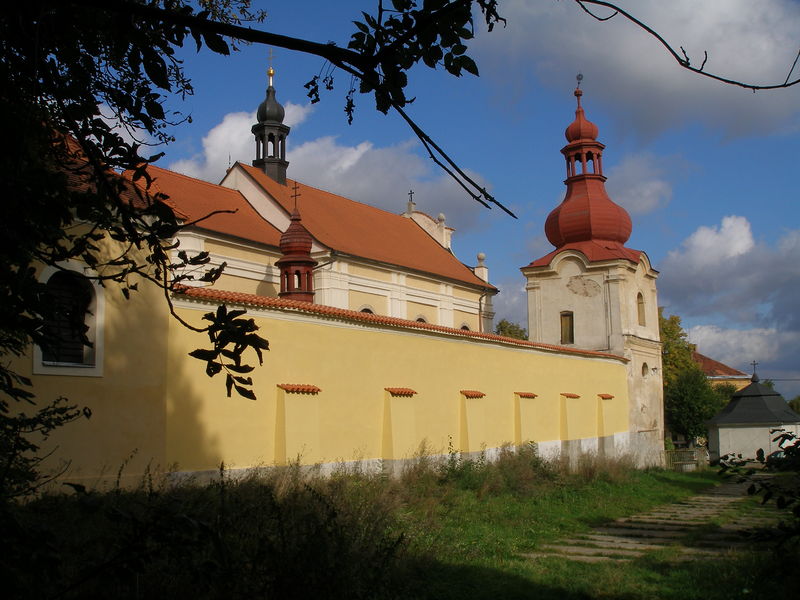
<point>66,327</point>
<point>567,328</point>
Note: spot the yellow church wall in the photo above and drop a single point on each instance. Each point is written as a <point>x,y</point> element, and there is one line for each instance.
<point>128,421</point>
<point>239,284</point>
<point>423,284</point>
<point>257,255</point>
<point>353,417</point>
<point>414,310</point>
<point>369,272</point>
<point>461,317</point>
<point>466,294</point>
<point>378,303</point>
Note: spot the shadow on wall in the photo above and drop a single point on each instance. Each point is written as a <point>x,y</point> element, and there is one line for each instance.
<point>129,432</point>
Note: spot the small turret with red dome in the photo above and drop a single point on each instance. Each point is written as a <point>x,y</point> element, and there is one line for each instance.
<point>587,219</point>
<point>296,240</point>
<point>296,265</point>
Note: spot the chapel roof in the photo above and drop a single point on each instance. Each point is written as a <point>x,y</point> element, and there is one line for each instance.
<point>757,404</point>
<point>193,199</point>
<point>364,231</point>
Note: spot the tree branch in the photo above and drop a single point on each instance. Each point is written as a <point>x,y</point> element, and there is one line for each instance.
<point>683,60</point>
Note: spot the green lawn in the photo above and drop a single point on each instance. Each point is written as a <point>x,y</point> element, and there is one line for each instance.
<point>441,530</point>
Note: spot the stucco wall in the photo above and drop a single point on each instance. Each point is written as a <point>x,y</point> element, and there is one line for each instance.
<point>744,439</point>
<point>156,401</point>
<point>353,417</point>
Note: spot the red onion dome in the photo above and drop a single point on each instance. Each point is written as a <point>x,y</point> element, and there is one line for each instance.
<point>296,239</point>
<point>581,128</point>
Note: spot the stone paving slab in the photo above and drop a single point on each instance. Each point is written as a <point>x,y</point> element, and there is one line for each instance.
<point>685,529</point>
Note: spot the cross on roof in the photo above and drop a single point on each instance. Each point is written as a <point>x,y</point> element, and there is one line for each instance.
<point>410,195</point>
<point>295,193</point>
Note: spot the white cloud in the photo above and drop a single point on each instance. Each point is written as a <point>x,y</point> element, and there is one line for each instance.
<point>638,183</point>
<point>709,246</point>
<point>774,351</point>
<point>740,295</point>
<point>739,347</point>
<point>382,177</point>
<point>630,73</point>
<point>230,141</point>
<point>512,302</point>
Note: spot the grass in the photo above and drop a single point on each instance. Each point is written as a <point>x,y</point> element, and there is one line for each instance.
<point>448,529</point>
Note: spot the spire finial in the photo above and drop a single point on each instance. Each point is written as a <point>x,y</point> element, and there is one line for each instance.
<point>578,91</point>
<point>754,378</point>
<point>270,70</point>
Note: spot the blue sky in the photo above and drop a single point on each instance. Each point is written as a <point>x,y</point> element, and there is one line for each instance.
<point>707,171</point>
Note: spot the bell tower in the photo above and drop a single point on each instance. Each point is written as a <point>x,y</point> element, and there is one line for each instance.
<point>271,134</point>
<point>594,293</point>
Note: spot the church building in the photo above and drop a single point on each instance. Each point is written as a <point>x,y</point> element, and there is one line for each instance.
<point>381,340</point>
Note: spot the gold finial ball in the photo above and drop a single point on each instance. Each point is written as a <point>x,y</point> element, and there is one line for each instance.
<point>270,71</point>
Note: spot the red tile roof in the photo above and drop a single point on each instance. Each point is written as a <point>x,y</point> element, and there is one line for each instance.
<point>714,368</point>
<point>400,391</point>
<point>299,388</point>
<point>526,394</point>
<point>213,295</point>
<point>570,395</point>
<point>593,250</point>
<point>365,231</point>
<point>606,396</point>
<point>472,394</point>
<point>194,199</point>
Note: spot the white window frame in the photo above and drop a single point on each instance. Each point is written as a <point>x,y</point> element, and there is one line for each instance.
<point>95,321</point>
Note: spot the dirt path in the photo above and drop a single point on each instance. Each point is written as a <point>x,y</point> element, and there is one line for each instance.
<point>709,525</point>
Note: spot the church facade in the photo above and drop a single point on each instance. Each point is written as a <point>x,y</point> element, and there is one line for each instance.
<point>380,338</point>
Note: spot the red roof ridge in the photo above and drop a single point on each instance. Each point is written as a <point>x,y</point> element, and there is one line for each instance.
<point>197,179</point>
<point>289,181</point>
<point>473,394</point>
<point>212,294</point>
<point>714,368</point>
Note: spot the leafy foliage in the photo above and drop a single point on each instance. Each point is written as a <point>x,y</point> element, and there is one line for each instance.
<point>782,486</point>
<point>512,330</point>
<point>676,349</point>
<point>794,404</point>
<point>689,398</point>
<point>79,81</point>
<point>689,402</point>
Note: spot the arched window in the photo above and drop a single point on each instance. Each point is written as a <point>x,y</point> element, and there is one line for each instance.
<point>567,327</point>
<point>465,327</point>
<point>640,308</point>
<point>367,310</point>
<point>645,370</point>
<point>67,327</point>
<point>421,319</point>
<point>74,327</point>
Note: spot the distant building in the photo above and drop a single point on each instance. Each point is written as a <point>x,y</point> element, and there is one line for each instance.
<point>717,372</point>
<point>747,423</point>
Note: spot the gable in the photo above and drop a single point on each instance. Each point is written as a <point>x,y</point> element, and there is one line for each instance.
<point>364,231</point>
<point>195,200</point>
